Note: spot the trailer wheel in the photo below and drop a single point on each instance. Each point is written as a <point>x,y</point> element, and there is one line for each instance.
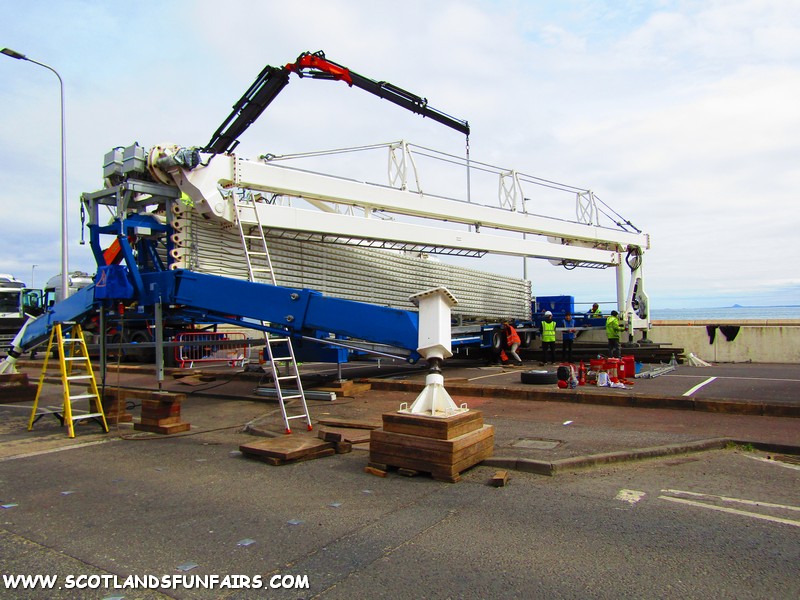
<point>498,340</point>
<point>538,377</point>
<point>141,355</point>
<point>527,339</point>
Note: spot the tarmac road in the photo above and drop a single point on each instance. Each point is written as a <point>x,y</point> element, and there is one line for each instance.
<point>719,523</point>
<point>193,503</point>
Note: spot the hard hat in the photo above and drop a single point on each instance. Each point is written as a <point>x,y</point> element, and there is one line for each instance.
<point>548,313</point>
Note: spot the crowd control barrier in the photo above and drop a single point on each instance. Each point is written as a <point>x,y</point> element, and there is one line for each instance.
<point>207,347</point>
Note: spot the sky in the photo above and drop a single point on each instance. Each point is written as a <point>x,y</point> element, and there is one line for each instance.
<point>680,115</point>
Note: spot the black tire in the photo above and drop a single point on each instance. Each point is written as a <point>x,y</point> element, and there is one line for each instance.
<point>115,354</point>
<point>527,339</point>
<point>498,340</point>
<point>141,355</point>
<point>538,377</point>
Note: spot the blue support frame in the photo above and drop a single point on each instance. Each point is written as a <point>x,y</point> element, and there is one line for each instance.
<point>213,298</point>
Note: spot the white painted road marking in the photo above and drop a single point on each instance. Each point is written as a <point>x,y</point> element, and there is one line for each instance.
<point>629,496</point>
<point>730,499</point>
<point>774,462</point>
<point>675,375</point>
<point>699,385</point>
<point>732,511</point>
<point>61,449</point>
<point>490,375</point>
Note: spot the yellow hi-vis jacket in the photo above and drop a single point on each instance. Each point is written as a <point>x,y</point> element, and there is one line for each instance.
<point>548,331</point>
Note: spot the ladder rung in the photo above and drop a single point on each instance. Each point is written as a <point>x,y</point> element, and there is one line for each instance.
<point>76,358</point>
<point>292,397</point>
<point>82,396</point>
<point>88,416</point>
<point>288,377</point>
<point>275,340</point>
<point>280,358</point>
<point>296,417</point>
<point>76,377</point>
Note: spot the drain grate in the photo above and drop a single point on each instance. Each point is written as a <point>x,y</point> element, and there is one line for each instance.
<point>536,443</point>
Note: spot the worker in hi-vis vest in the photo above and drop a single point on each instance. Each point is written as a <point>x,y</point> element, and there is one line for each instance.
<point>512,342</point>
<point>548,330</point>
<point>613,330</point>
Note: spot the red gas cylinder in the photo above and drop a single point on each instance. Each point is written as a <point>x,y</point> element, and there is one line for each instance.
<point>596,364</point>
<point>630,366</point>
<point>612,367</point>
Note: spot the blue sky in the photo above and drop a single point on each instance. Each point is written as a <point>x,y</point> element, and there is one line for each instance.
<point>680,115</point>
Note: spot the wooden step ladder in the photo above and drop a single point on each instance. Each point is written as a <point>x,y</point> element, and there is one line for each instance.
<point>285,390</point>
<point>76,369</point>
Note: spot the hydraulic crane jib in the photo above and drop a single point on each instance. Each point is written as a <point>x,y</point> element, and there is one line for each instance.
<point>271,81</point>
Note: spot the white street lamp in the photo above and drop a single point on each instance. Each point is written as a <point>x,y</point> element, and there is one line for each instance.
<point>32,269</point>
<point>64,243</point>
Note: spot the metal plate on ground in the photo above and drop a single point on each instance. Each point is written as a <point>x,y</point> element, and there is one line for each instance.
<point>536,443</point>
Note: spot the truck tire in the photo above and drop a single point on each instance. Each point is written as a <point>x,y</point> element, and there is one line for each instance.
<point>140,355</point>
<point>498,340</point>
<point>527,339</point>
<point>538,377</point>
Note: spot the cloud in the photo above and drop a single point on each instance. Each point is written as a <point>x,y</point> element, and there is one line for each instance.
<point>679,114</point>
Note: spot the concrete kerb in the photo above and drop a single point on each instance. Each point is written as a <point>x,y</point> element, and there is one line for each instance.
<point>627,400</point>
<point>577,463</point>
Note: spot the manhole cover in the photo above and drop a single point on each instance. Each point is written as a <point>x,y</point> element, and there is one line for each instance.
<point>536,444</point>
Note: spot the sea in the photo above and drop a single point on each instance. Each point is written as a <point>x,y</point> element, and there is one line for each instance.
<point>726,313</point>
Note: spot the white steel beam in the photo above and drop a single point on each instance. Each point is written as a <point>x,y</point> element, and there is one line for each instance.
<point>333,224</point>
<point>281,180</point>
<point>582,242</point>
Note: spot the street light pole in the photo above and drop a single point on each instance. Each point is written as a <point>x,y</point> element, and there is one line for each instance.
<point>64,240</point>
<point>32,269</point>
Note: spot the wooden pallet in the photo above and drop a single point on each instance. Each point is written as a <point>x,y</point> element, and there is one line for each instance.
<point>345,387</point>
<point>443,447</point>
<point>288,449</point>
<point>433,427</point>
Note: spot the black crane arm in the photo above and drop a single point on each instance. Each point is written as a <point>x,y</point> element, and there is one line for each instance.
<point>271,81</point>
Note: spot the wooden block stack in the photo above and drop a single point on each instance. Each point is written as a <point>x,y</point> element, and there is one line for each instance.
<point>443,447</point>
<point>345,387</point>
<point>161,413</point>
<point>114,401</point>
<point>14,387</point>
<point>338,439</point>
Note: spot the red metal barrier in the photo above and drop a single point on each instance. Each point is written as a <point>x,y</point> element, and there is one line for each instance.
<point>204,347</point>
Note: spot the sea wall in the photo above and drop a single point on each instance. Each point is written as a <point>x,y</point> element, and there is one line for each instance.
<point>758,341</point>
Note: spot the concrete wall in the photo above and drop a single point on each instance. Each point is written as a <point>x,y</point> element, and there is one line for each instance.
<point>757,341</point>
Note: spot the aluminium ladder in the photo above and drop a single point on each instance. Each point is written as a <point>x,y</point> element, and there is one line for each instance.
<point>76,369</point>
<point>264,273</point>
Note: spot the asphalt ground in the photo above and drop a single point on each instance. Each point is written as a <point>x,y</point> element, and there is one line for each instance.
<point>130,502</point>
<point>538,428</point>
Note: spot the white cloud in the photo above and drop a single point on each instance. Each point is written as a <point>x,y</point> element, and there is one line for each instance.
<point>680,114</point>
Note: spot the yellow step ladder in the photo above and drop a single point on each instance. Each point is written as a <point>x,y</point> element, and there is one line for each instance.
<point>76,369</point>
